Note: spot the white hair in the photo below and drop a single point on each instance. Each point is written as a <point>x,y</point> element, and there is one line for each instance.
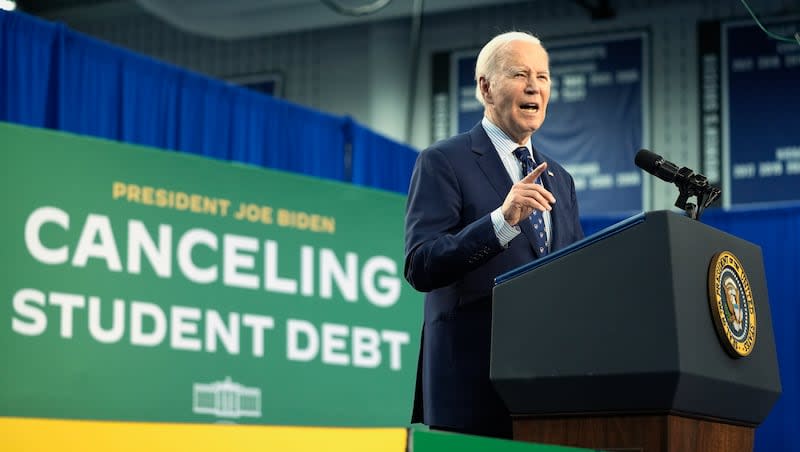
<point>491,55</point>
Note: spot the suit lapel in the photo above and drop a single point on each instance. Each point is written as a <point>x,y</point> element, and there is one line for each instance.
<point>489,162</point>
<point>550,180</point>
<point>545,177</point>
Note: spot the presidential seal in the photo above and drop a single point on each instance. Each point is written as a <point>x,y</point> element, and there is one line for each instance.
<point>732,307</point>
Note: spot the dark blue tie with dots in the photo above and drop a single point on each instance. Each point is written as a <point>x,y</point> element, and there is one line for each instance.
<point>537,221</point>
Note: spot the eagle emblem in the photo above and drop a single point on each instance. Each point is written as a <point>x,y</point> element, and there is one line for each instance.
<point>732,306</point>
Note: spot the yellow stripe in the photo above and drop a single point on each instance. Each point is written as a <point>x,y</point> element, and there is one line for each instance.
<point>54,435</point>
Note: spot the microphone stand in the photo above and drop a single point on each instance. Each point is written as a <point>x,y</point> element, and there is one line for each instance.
<point>691,184</point>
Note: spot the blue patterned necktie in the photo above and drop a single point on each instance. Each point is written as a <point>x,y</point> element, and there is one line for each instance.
<point>537,221</point>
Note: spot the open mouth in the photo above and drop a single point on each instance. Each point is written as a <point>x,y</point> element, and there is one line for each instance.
<point>532,107</point>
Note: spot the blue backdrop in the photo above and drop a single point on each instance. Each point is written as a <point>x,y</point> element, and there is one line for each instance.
<point>761,143</point>
<point>56,78</point>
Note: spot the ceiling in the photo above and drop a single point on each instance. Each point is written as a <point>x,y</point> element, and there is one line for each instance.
<point>233,19</point>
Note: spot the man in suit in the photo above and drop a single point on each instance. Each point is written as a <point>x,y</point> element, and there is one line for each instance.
<point>472,215</point>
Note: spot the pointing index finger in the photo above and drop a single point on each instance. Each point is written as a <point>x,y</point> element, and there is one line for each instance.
<point>531,177</point>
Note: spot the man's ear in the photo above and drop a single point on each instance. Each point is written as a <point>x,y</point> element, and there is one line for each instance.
<point>485,85</point>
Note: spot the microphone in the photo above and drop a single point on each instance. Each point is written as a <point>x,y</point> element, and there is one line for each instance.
<point>689,183</point>
<point>662,169</point>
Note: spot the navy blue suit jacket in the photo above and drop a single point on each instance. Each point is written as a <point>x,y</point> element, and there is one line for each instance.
<point>453,254</point>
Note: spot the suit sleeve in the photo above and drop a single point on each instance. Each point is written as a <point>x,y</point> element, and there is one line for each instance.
<point>441,247</point>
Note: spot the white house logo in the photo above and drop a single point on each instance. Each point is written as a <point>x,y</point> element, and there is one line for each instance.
<point>226,399</point>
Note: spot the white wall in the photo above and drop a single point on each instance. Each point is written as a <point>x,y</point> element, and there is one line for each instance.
<point>363,70</point>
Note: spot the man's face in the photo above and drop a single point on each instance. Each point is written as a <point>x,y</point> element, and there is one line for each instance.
<point>516,96</point>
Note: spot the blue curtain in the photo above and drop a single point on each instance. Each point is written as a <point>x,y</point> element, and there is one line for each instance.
<point>31,57</point>
<point>380,162</point>
<point>56,78</point>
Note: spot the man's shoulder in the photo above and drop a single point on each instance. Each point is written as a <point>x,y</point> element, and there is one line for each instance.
<point>459,142</point>
<point>456,144</point>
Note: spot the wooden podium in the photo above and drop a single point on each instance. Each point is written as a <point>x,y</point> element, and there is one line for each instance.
<point>642,337</point>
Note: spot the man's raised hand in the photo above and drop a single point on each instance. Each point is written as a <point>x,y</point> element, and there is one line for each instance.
<point>525,196</point>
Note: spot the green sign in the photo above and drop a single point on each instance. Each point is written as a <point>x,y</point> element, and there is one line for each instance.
<point>147,285</point>
<point>434,441</point>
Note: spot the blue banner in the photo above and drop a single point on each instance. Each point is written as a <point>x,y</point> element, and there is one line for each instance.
<point>597,118</point>
<point>760,98</point>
